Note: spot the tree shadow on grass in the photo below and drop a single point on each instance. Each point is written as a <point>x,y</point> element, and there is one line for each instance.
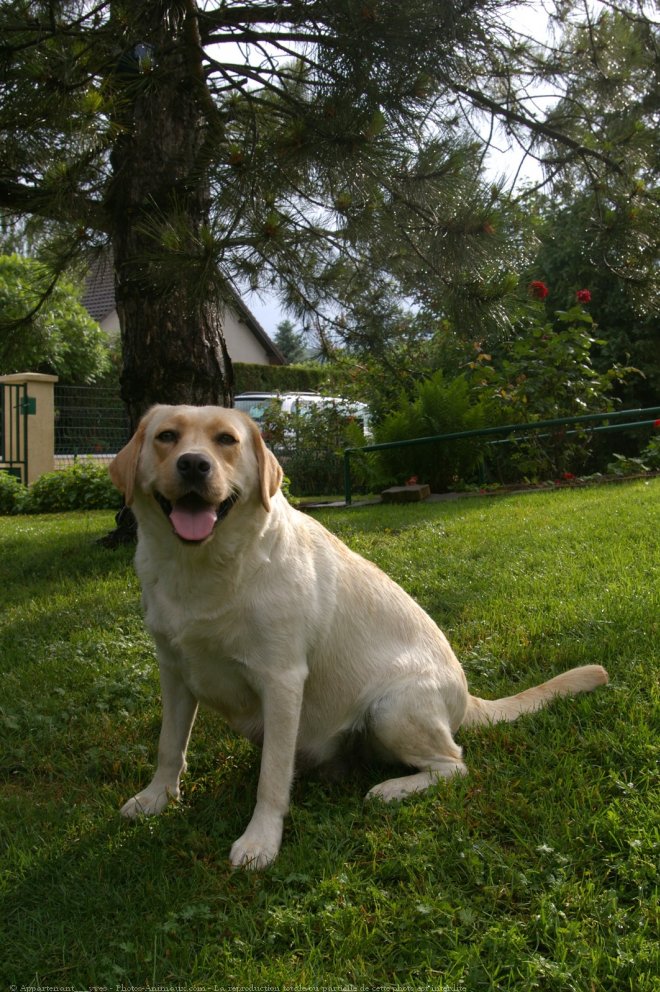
<point>39,558</point>
<point>92,906</point>
<point>105,901</point>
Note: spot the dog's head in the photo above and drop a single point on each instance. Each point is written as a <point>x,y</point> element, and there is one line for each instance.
<point>196,462</point>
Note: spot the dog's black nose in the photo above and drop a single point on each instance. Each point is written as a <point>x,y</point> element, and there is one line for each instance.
<point>194,467</point>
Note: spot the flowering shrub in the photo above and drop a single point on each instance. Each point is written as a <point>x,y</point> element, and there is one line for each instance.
<point>545,373</point>
<point>538,289</point>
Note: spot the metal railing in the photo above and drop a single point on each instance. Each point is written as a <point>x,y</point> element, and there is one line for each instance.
<point>505,430</point>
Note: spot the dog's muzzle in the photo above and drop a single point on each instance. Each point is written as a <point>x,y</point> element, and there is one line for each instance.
<point>192,516</point>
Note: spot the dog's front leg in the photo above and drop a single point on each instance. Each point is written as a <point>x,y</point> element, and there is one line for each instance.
<point>179,711</point>
<point>281,701</point>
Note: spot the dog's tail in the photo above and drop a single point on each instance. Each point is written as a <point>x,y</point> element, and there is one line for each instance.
<point>482,711</point>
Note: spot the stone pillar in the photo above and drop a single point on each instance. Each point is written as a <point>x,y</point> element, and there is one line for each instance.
<point>40,454</point>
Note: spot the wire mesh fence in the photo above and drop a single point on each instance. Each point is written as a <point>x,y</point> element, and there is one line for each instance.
<point>90,422</point>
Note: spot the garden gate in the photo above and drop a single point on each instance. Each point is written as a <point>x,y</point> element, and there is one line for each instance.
<point>15,405</point>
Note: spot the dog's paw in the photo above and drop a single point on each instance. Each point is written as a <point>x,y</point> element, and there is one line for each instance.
<point>399,788</point>
<point>253,852</point>
<point>389,791</point>
<point>147,803</point>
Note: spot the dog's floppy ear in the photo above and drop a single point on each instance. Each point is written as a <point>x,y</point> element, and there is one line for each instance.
<point>270,470</point>
<point>123,467</point>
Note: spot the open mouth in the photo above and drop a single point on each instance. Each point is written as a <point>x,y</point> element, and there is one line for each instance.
<point>192,518</point>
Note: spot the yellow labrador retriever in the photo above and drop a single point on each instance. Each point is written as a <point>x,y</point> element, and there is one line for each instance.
<point>262,614</point>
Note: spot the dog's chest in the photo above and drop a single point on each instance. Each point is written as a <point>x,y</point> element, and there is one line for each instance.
<point>220,682</point>
<point>205,644</point>
<point>178,598</point>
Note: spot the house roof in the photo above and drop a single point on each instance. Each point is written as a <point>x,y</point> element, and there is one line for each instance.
<point>99,300</point>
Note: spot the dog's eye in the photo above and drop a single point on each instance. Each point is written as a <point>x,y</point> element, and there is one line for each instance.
<point>226,439</point>
<point>167,437</point>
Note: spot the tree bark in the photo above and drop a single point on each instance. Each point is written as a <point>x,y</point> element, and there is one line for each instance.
<point>172,341</point>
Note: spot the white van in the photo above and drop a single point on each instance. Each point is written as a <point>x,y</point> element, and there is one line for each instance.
<point>256,405</point>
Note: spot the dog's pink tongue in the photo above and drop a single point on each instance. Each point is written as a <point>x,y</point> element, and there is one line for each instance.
<point>193,524</point>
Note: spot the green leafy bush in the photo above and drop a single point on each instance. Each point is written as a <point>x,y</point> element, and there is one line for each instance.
<point>84,486</point>
<point>546,372</point>
<point>57,335</point>
<point>12,494</point>
<point>651,453</point>
<point>310,446</point>
<point>438,407</point>
<point>648,461</point>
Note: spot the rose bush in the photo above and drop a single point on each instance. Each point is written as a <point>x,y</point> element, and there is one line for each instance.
<point>546,372</point>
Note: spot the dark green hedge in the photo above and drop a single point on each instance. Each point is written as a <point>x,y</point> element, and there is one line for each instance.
<point>284,378</point>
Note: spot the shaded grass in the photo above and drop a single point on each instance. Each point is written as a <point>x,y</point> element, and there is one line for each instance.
<point>536,871</point>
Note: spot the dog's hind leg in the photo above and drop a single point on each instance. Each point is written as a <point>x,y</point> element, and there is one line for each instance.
<point>411,726</point>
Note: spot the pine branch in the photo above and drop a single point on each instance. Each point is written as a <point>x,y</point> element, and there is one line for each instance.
<point>537,127</point>
<point>17,198</point>
<point>234,16</point>
<point>41,32</point>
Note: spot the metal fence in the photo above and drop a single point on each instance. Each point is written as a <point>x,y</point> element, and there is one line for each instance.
<point>624,420</point>
<point>90,421</point>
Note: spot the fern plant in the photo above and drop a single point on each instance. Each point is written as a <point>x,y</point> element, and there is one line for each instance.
<point>438,407</point>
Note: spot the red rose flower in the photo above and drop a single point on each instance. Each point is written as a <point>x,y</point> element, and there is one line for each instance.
<point>656,425</point>
<point>583,296</point>
<point>538,289</point>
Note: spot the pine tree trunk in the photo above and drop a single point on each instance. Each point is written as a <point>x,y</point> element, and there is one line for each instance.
<point>172,341</point>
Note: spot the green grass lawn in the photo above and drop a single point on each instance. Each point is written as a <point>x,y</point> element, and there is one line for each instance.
<point>537,871</point>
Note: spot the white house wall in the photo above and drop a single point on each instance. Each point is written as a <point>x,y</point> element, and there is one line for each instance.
<point>241,343</point>
<point>110,325</point>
